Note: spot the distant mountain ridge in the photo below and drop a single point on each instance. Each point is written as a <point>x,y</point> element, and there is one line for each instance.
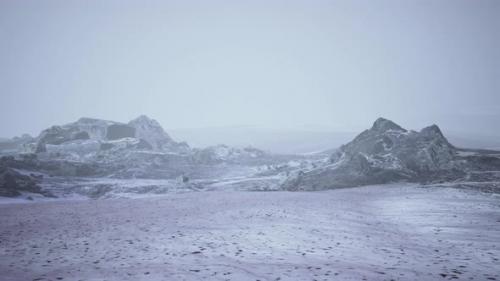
<point>63,159</point>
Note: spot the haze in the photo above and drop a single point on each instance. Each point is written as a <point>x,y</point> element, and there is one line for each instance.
<point>298,65</point>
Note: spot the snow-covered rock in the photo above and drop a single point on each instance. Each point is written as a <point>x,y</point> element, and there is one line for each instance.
<point>73,138</point>
<point>14,183</point>
<point>139,149</point>
<point>151,131</point>
<point>15,145</point>
<point>224,153</point>
<point>388,153</point>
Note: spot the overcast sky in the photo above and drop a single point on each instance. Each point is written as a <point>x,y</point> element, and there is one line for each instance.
<point>326,65</point>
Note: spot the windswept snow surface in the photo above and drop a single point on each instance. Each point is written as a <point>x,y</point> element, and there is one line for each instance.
<point>391,232</point>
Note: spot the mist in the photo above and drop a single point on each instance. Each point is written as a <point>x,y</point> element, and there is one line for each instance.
<point>332,66</point>
<point>249,140</point>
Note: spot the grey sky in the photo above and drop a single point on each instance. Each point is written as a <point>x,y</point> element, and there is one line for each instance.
<point>329,65</point>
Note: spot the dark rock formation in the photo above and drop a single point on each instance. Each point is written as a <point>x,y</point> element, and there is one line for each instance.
<point>12,183</point>
<point>388,153</point>
<point>119,131</point>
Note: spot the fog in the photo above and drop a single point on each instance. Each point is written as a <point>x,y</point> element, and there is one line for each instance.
<point>186,198</point>
<point>327,66</point>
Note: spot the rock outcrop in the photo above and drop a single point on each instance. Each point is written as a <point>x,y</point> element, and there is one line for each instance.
<point>388,153</point>
<point>14,183</point>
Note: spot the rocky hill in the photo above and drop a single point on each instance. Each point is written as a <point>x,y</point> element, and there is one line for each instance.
<point>103,132</point>
<point>67,158</point>
<point>101,148</point>
<point>388,153</point>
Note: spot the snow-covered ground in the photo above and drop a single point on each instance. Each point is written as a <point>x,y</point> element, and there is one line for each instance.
<point>391,232</point>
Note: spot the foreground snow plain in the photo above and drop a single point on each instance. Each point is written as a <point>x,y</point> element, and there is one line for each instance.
<point>390,232</point>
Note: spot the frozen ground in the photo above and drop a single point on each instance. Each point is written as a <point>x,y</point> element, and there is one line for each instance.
<point>370,233</point>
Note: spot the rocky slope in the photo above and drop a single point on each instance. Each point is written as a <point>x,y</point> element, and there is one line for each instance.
<point>78,155</point>
<point>103,132</point>
<point>14,183</point>
<point>152,132</point>
<point>139,149</point>
<point>223,153</point>
<point>388,153</point>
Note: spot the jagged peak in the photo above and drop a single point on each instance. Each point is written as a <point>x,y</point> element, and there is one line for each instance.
<point>432,130</point>
<point>144,119</point>
<point>382,124</point>
<point>150,130</point>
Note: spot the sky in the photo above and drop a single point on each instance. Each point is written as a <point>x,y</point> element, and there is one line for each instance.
<point>313,65</point>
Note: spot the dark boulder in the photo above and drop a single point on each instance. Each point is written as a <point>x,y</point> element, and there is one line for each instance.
<point>12,183</point>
